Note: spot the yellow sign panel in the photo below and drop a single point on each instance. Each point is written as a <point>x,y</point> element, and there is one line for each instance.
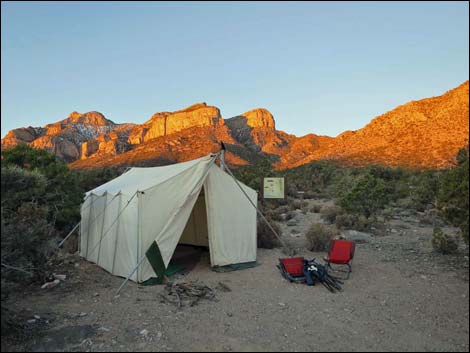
<point>273,188</point>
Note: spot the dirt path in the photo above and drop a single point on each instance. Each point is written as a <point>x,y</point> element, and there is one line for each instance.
<point>400,297</point>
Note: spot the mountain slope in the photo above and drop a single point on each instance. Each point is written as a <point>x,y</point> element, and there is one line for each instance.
<point>420,134</point>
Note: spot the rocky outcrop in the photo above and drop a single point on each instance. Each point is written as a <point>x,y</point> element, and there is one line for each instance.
<point>165,123</point>
<point>259,118</point>
<point>22,136</point>
<point>74,137</point>
<point>64,149</point>
<point>90,118</point>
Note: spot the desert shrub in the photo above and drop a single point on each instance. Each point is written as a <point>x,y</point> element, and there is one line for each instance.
<point>90,179</point>
<point>345,221</point>
<point>20,185</point>
<point>63,194</point>
<point>40,199</point>
<point>363,223</point>
<point>430,217</point>
<point>453,196</point>
<point>353,221</point>
<point>405,203</point>
<point>315,179</point>
<point>368,195</point>
<point>329,213</point>
<point>27,242</point>
<point>388,212</point>
<point>280,214</point>
<point>423,190</point>
<point>315,208</point>
<point>266,238</point>
<point>444,243</point>
<point>319,237</point>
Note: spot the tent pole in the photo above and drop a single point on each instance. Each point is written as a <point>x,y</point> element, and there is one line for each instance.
<point>222,159</point>
<point>169,221</point>
<point>93,220</point>
<point>117,234</point>
<point>257,209</point>
<point>88,226</point>
<point>102,226</point>
<point>138,236</point>
<point>110,227</point>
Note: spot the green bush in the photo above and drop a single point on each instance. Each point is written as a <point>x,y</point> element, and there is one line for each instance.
<point>319,237</point>
<point>63,193</point>
<point>453,196</point>
<point>329,213</point>
<point>368,195</point>
<point>20,185</point>
<point>444,243</point>
<point>423,190</point>
<point>266,237</point>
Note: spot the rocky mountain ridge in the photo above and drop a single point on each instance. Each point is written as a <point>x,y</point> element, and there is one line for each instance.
<point>419,134</point>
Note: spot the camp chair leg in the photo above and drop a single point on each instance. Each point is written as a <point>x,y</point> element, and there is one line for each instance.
<point>348,272</point>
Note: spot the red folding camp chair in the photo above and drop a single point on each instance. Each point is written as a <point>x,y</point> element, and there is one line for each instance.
<point>292,269</point>
<point>341,253</point>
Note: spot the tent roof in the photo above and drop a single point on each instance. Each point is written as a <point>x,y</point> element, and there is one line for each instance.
<point>140,179</point>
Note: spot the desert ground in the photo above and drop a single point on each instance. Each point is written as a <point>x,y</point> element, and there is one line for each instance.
<point>401,296</point>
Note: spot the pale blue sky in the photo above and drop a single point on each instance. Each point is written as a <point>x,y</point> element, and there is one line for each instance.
<point>318,67</point>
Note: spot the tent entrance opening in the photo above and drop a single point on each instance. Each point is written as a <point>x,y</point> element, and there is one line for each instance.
<point>196,232</point>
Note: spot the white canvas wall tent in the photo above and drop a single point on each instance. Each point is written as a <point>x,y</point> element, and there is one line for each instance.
<point>131,225</point>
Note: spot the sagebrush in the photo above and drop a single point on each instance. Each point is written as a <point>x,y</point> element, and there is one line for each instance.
<point>319,236</point>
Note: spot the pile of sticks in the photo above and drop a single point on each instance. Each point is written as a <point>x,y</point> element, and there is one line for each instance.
<point>187,294</point>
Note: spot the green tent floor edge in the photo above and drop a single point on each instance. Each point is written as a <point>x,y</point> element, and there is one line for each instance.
<point>235,267</point>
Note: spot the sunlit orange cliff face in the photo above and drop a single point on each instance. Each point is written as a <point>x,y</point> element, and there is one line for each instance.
<point>419,134</point>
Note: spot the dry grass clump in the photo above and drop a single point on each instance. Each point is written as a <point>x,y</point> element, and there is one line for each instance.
<point>444,243</point>
<point>329,213</point>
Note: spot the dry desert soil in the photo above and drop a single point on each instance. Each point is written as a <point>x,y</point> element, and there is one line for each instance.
<point>401,296</point>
